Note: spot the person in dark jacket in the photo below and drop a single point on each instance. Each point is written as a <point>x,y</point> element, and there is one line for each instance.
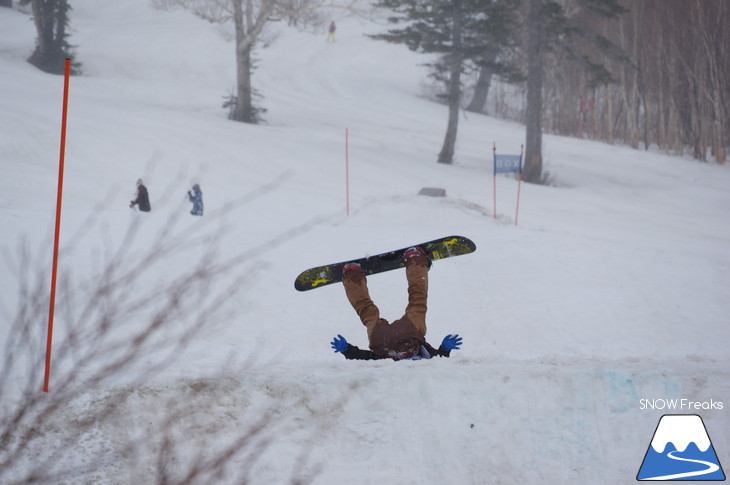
<point>141,198</point>
<point>405,338</point>
<point>196,197</point>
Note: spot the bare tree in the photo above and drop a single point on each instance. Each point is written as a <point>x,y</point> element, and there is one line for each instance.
<point>249,22</point>
<point>549,25</point>
<point>672,78</point>
<point>115,335</point>
<point>250,17</point>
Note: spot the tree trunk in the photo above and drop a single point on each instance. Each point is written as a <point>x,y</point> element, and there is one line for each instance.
<point>532,171</point>
<point>244,98</point>
<point>713,80</point>
<point>447,150</point>
<point>248,26</point>
<point>41,27</point>
<point>481,90</point>
<point>61,18</point>
<point>50,17</point>
<point>609,115</point>
<point>244,95</point>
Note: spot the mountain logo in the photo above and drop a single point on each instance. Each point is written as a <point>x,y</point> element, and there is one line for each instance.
<point>681,450</point>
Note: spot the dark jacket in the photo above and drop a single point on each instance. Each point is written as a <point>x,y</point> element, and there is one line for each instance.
<point>143,199</point>
<point>427,351</point>
<point>398,340</point>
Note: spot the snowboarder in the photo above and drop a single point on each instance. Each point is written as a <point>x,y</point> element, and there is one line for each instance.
<point>404,338</point>
<point>196,197</point>
<point>141,198</point>
<point>331,34</point>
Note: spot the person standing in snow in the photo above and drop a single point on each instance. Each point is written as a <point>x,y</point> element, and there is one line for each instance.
<point>404,338</point>
<point>141,198</point>
<point>331,34</point>
<point>196,197</point>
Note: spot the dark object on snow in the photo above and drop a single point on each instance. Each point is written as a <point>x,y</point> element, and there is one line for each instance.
<point>141,198</point>
<point>196,197</point>
<point>432,192</point>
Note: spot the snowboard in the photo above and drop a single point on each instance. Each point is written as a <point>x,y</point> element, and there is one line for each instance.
<point>437,249</point>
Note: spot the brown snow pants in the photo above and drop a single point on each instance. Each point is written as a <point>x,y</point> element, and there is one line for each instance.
<point>356,289</point>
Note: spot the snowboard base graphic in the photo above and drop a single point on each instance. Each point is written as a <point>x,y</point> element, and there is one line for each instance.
<point>437,249</point>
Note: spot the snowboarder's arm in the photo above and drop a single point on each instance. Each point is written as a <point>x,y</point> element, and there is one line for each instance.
<point>353,352</point>
<point>350,351</point>
<point>441,352</point>
<point>450,342</point>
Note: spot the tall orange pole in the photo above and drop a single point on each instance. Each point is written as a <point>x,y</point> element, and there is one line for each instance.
<point>494,176</point>
<point>519,184</point>
<point>54,273</point>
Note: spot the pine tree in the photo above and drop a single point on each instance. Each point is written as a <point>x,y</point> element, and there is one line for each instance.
<point>460,31</point>
<point>52,47</point>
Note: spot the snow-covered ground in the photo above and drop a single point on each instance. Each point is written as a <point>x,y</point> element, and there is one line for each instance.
<point>612,288</point>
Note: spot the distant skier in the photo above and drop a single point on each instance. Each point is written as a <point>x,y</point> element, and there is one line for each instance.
<point>404,338</point>
<point>196,197</point>
<point>331,34</point>
<point>141,198</point>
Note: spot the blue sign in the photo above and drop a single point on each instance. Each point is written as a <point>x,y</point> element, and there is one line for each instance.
<point>507,163</point>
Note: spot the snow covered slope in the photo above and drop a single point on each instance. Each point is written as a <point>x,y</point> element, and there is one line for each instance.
<point>613,288</point>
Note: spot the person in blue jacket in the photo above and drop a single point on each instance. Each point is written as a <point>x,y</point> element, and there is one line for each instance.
<point>196,197</point>
<point>405,338</point>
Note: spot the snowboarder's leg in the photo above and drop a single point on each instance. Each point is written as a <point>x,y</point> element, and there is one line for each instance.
<point>417,276</point>
<point>356,289</point>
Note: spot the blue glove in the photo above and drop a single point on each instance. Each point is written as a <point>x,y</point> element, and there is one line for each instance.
<point>339,344</point>
<point>451,342</point>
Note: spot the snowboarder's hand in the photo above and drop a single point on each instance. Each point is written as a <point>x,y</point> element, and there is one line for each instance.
<point>451,342</point>
<point>339,344</point>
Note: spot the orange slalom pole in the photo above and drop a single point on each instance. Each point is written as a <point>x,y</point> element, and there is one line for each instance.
<point>519,184</point>
<point>494,176</point>
<point>494,182</point>
<point>54,273</point>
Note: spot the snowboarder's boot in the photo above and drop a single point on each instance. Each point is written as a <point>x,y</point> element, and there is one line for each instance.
<point>352,271</point>
<point>417,253</point>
